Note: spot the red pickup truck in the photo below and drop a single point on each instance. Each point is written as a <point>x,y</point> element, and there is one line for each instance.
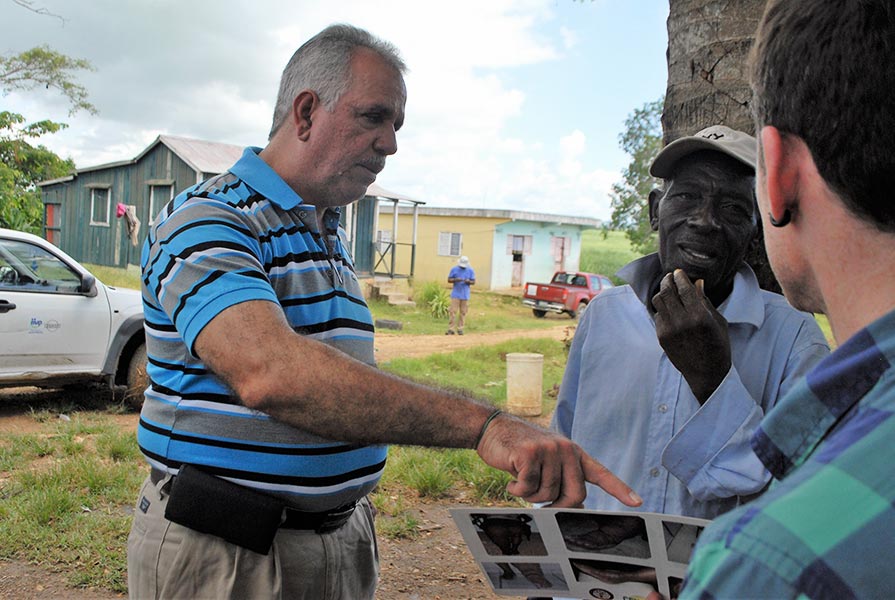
<point>566,293</point>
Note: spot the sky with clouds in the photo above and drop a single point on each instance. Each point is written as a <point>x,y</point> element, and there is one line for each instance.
<point>512,104</point>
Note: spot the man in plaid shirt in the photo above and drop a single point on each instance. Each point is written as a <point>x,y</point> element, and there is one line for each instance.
<point>824,83</point>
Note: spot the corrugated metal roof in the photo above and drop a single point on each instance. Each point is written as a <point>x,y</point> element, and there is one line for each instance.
<point>203,156</point>
<point>54,181</point>
<point>200,155</point>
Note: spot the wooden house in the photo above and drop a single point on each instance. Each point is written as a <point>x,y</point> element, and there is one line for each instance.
<point>81,213</point>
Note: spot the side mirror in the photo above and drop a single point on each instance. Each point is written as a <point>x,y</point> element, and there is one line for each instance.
<point>88,285</point>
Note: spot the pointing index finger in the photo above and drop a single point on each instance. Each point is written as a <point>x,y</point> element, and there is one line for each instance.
<point>596,473</point>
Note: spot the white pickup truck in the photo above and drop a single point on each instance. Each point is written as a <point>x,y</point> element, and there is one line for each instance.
<point>59,325</point>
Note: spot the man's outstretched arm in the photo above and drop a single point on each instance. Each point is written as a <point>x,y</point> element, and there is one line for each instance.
<point>314,387</point>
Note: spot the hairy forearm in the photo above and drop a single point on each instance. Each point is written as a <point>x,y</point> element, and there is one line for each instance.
<point>352,401</point>
<point>320,389</point>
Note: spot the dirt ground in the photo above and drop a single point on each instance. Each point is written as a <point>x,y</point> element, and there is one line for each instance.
<point>435,565</point>
<point>394,345</point>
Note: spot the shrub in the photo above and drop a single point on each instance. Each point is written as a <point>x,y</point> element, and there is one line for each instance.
<point>435,298</point>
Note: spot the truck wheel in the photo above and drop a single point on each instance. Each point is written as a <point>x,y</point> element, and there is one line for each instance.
<point>137,379</point>
<point>539,313</point>
<point>581,308</point>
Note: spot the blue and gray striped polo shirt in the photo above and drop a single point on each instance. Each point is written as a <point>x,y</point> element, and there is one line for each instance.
<point>241,236</point>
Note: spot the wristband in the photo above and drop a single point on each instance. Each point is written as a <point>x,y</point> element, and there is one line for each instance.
<point>487,422</point>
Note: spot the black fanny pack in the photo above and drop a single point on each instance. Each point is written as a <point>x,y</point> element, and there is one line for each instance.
<point>240,515</point>
<point>212,505</point>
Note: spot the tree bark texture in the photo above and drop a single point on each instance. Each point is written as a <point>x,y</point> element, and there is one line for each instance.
<point>708,80</point>
<point>708,50</point>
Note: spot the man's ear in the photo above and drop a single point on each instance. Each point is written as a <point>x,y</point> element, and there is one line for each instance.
<point>654,196</point>
<point>780,172</point>
<point>303,106</point>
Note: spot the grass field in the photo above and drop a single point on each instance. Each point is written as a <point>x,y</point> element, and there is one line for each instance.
<point>605,253</point>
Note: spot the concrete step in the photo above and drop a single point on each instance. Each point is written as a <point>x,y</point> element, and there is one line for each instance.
<point>393,296</point>
<point>398,299</point>
<point>395,292</point>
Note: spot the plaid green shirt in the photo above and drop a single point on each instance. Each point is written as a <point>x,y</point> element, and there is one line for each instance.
<point>826,526</point>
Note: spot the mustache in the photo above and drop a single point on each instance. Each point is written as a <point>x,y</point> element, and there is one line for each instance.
<point>375,164</point>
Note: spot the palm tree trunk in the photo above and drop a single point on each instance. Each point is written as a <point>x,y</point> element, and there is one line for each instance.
<point>708,81</point>
<point>708,49</point>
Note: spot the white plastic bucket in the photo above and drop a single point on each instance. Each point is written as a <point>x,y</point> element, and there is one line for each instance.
<point>525,377</point>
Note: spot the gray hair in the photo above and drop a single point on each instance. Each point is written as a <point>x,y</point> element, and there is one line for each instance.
<point>322,64</point>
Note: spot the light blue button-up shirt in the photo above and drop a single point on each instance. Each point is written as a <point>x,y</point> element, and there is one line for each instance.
<point>625,403</point>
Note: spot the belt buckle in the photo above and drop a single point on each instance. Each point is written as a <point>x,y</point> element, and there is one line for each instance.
<point>335,520</point>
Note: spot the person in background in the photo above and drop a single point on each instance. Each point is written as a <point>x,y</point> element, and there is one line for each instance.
<point>669,375</point>
<point>266,420</point>
<point>461,277</point>
<point>822,77</point>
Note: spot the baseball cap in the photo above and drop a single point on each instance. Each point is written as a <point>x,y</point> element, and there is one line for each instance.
<point>719,138</point>
<point>464,261</point>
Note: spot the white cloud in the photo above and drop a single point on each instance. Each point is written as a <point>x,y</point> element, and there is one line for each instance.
<point>210,69</point>
<point>569,38</point>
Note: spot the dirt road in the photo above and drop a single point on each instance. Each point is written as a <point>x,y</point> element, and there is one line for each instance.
<point>395,345</point>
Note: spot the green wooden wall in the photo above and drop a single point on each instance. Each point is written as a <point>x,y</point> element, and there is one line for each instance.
<point>133,184</point>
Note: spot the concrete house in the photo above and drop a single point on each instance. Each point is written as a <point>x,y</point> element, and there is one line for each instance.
<point>506,247</point>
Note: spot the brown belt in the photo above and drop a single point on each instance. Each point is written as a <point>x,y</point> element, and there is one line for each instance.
<point>319,522</point>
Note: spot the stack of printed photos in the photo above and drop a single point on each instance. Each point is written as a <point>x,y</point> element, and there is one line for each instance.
<point>564,553</point>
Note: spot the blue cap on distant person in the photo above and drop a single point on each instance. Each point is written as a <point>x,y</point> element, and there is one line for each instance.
<point>719,138</point>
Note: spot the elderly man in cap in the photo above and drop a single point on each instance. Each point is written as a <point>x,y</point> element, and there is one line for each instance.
<point>669,376</point>
<point>824,530</point>
<point>461,277</point>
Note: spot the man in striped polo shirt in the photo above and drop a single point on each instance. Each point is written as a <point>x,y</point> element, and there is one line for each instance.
<point>823,79</point>
<point>265,420</point>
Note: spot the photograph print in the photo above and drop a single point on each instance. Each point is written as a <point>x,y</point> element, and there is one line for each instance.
<point>606,579</point>
<point>616,534</point>
<point>679,540</point>
<point>508,534</point>
<point>525,576</point>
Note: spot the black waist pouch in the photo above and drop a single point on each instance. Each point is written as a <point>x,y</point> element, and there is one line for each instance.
<point>211,505</point>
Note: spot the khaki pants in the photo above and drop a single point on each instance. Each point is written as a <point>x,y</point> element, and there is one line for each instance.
<point>166,560</point>
<point>458,313</point>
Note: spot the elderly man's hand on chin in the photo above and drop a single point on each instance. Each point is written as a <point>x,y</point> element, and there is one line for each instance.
<point>693,333</point>
<point>546,466</point>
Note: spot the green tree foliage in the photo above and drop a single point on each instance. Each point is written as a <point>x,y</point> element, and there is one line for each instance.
<point>642,140</point>
<point>46,68</point>
<point>22,165</point>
